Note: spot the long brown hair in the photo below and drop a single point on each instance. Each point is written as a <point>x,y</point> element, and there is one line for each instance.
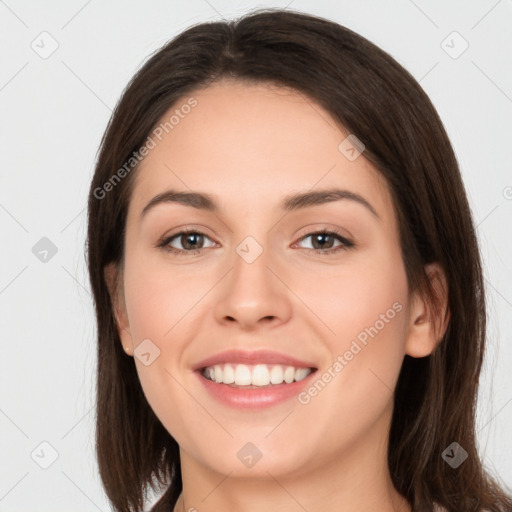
<point>369,94</point>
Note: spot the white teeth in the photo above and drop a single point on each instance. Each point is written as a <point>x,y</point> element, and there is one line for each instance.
<point>289,374</point>
<point>301,373</point>
<point>229,374</point>
<point>242,375</point>
<point>276,375</point>
<point>258,375</point>
<point>218,373</point>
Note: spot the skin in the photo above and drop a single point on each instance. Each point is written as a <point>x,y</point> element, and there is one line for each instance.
<point>250,146</point>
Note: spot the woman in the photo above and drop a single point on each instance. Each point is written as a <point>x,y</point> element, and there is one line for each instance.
<point>320,347</point>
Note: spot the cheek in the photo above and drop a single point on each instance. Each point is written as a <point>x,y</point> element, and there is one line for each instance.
<point>360,293</point>
<point>155,304</point>
<point>366,311</point>
<point>360,311</point>
<point>157,297</point>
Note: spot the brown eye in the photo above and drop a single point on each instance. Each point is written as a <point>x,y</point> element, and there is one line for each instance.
<point>323,242</point>
<point>190,241</point>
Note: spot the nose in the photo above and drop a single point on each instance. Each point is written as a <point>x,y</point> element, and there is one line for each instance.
<point>254,294</point>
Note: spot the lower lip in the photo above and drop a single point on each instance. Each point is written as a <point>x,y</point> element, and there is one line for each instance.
<point>254,398</point>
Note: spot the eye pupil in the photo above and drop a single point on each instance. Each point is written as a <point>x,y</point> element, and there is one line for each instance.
<point>320,237</point>
<point>188,237</point>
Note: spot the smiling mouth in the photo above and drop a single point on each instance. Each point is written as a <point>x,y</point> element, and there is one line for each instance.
<point>257,376</point>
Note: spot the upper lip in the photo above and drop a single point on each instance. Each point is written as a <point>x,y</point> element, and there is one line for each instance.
<point>252,357</point>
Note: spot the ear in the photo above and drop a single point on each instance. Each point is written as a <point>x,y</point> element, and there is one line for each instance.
<point>427,326</point>
<point>113,278</point>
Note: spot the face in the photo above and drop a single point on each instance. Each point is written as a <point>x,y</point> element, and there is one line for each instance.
<point>316,284</point>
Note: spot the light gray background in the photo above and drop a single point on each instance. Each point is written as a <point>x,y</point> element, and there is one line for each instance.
<point>53,112</point>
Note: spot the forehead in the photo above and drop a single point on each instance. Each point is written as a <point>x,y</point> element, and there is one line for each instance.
<point>250,145</point>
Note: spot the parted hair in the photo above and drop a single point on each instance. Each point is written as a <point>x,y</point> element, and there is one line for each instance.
<point>370,95</point>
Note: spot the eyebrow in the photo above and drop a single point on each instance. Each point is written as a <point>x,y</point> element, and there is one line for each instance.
<point>207,202</point>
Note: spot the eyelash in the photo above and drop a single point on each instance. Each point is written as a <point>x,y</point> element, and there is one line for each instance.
<point>346,244</point>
